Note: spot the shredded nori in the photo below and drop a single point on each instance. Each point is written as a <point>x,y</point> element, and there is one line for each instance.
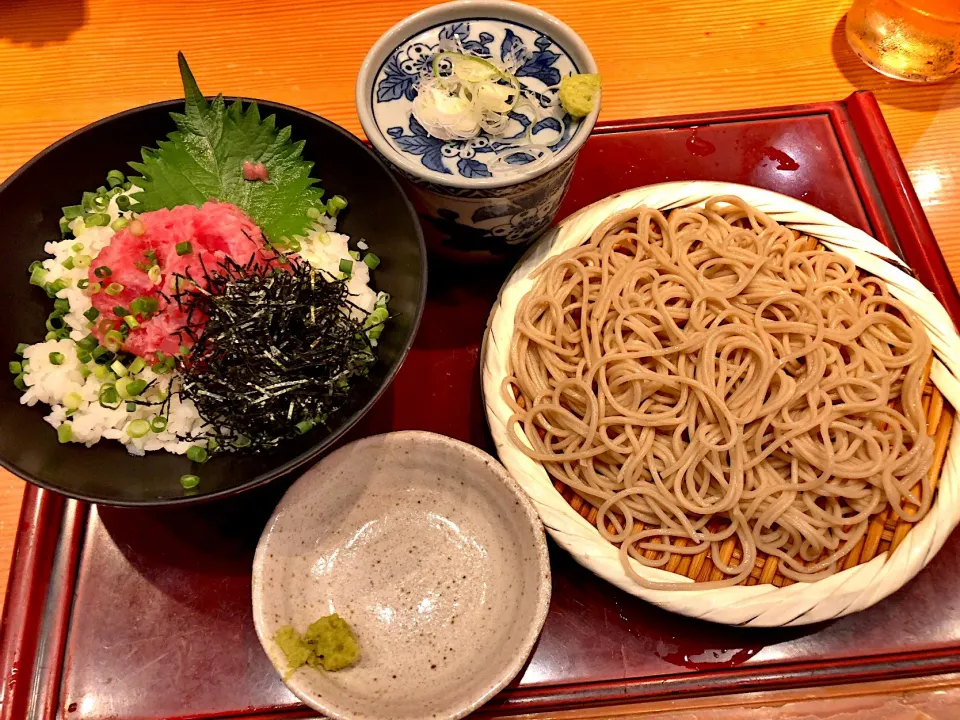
<point>276,349</point>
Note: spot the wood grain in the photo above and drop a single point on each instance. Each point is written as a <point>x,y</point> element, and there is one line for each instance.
<point>65,63</point>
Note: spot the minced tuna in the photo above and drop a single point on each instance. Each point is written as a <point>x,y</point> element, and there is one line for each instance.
<point>175,241</point>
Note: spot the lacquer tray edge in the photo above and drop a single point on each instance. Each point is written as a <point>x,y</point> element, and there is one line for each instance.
<point>51,528</point>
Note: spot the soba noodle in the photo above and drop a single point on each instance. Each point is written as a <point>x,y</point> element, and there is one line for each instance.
<point>710,375</point>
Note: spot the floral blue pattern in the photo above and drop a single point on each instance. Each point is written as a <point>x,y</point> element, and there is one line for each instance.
<point>538,60</point>
<point>496,225</point>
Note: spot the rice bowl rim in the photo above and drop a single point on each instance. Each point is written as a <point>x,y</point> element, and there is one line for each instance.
<point>766,605</point>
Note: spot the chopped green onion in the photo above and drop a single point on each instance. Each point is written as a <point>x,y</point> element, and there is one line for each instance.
<point>92,314</point>
<point>102,352</point>
<point>335,205</point>
<point>144,306</point>
<point>72,212</point>
<point>85,371</point>
<point>88,198</point>
<point>197,454</point>
<point>89,343</point>
<point>131,407</point>
<point>371,261</point>
<point>115,178</point>
<point>119,224</point>
<point>83,356</point>
<point>82,262</point>
<point>15,367</point>
<point>119,368</point>
<point>22,348</point>
<point>72,401</point>
<point>61,305</point>
<point>77,247</point>
<point>138,428</point>
<point>189,481</point>
<point>56,358</point>
<point>38,276</point>
<point>114,289</point>
<point>64,227</point>
<point>56,286</point>
<point>160,368</point>
<point>130,388</point>
<point>346,266</point>
<point>102,272</point>
<point>131,322</point>
<point>313,213</point>
<point>19,383</point>
<point>158,424</point>
<point>127,185</point>
<point>154,274</point>
<point>354,254</point>
<point>94,288</point>
<point>65,433</point>
<point>109,397</point>
<point>68,263</point>
<point>97,220</point>
<point>123,204</point>
<point>137,365</point>
<point>241,442</point>
<point>122,387</point>
<point>184,248</point>
<point>102,372</point>
<point>304,426</point>
<point>294,246</point>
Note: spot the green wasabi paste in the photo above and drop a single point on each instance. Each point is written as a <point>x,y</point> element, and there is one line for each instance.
<point>329,644</point>
<point>579,93</point>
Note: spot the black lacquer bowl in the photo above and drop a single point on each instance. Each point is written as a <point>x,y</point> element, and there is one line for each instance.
<point>30,208</point>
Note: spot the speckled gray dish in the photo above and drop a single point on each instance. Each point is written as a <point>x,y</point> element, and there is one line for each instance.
<point>430,551</point>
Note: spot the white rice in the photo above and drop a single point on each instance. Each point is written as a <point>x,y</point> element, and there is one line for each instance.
<point>91,422</point>
<point>324,249</point>
<point>47,383</point>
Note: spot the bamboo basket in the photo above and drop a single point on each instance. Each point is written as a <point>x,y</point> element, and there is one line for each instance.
<point>892,550</point>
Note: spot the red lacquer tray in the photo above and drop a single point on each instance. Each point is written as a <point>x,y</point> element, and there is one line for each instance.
<point>146,614</point>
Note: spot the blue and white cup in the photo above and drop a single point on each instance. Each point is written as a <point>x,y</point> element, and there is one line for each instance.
<point>469,208</point>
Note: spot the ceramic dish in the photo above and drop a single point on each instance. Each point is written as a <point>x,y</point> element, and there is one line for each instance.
<point>844,592</point>
<point>430,551</point>
<point>471,211</point>
<point>30,203</point>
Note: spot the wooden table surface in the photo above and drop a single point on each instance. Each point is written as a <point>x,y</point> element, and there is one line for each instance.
<point>65,63</point>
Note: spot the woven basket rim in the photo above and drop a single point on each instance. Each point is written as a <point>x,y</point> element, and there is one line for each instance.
<point>765,605</point>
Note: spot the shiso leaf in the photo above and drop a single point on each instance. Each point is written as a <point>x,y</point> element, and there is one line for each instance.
<point>203,158</point>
